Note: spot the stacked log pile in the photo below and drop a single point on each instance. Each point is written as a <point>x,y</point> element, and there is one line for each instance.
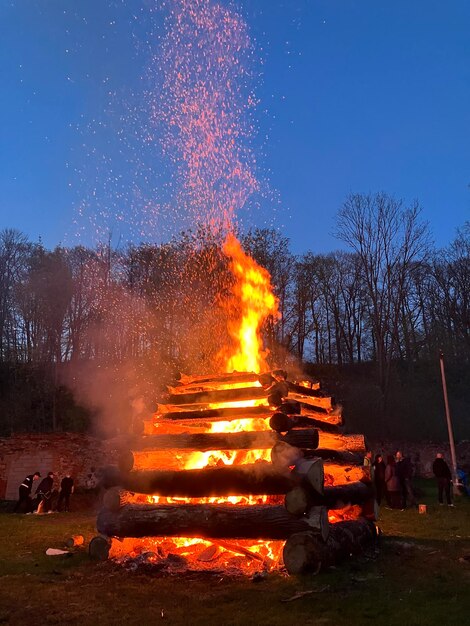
<point>320,499</point>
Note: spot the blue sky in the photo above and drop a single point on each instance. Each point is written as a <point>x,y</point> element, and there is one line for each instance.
<point>355,96</point>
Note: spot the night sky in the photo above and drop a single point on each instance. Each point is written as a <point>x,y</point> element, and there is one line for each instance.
<point>354,96</point>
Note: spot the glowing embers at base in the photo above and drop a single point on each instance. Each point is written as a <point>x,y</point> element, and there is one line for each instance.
<point>180,554</point>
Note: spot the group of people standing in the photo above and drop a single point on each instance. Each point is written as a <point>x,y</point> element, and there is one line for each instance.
<point>393,479</point>
<point>44,497</point>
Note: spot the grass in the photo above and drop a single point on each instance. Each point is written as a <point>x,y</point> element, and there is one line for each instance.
<point>420,577</point>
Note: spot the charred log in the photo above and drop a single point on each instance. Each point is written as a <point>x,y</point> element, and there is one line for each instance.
<point>282,423</point>
<point>205,414</point>
<point>325,402</point>
<point>350,443</point>
<point>233,377</point>
<point>213,384</point>
<point>99,548</point>
<point>300,499</point>
<point>220,395</point>
<point>210,521</point>
<point>255,479</point>
<point>257,440</point>
<point>245,393</point>
<point>154,445</point>
<point>314,392</point>
<point>304,552</point>
<point>339,457</point>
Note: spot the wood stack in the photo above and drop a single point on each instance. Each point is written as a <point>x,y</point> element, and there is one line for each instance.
<point>313,493</point>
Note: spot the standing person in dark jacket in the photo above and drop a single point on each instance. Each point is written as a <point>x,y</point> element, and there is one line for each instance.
<point>66,489</point>
<point>404,471</point>
<point>44,494</point>
<point>24,503</point>
<point>392,483</point>
<point>443,476</point>
<point>379,478</point>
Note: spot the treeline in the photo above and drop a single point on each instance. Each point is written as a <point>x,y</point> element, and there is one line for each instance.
<point>97,332</point>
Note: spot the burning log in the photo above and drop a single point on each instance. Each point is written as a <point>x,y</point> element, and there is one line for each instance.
<point>203,442</point>
<point>220,395</point>
<point>340,457</point>
<point>181,421</point>
<point>211,415</point>
<point>304,552</point>
<point>305,438</point>
<point>328,439</point>
<point>337,441</point>
<point>233,377</point>
<point>300,499</point>
<point>284,455</point>
<point>245,393</point>
<point>254,479</point>
<point>323,402</point>
<point>334,417</point>
<point>307,383</point>
<point>282,423</point>
<point>212,521</point>
<point>314,391</point>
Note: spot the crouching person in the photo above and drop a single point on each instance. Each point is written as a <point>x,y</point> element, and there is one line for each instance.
<point>25,504</point>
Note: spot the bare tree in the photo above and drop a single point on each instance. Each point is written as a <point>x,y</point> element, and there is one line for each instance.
<point>390,241</point>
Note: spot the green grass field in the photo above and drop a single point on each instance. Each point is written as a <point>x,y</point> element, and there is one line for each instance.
<point>421,576</point>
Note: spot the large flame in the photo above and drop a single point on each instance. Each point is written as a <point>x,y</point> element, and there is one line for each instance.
<point>255,302</point>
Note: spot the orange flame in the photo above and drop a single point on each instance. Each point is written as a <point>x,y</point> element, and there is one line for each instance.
<point>255,303</point>
<point>252,302</point>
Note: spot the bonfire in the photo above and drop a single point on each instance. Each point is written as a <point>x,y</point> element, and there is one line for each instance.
<point>242,470</point>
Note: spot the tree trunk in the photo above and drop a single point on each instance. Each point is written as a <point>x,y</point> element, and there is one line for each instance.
<point>305,552</point>
<point>217,521</point>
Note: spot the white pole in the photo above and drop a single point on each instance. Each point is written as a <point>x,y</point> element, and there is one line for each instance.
<point>449,421</point>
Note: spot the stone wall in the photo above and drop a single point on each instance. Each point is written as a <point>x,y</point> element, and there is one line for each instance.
<point>24,454</point>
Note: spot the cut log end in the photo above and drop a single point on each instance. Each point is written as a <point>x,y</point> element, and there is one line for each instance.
<point>99,548</point>
<point>126,461</point>
<point>297,501</point>
<point>312,472</point>
<point>300,555</point>
<point>306,552</point>
<point>112,499</point>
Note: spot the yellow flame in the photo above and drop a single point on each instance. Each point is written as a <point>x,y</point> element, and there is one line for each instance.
<point>255,300</point>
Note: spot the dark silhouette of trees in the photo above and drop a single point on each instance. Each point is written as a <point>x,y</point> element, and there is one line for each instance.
<point>99,332</point>
<point>390,242</point>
